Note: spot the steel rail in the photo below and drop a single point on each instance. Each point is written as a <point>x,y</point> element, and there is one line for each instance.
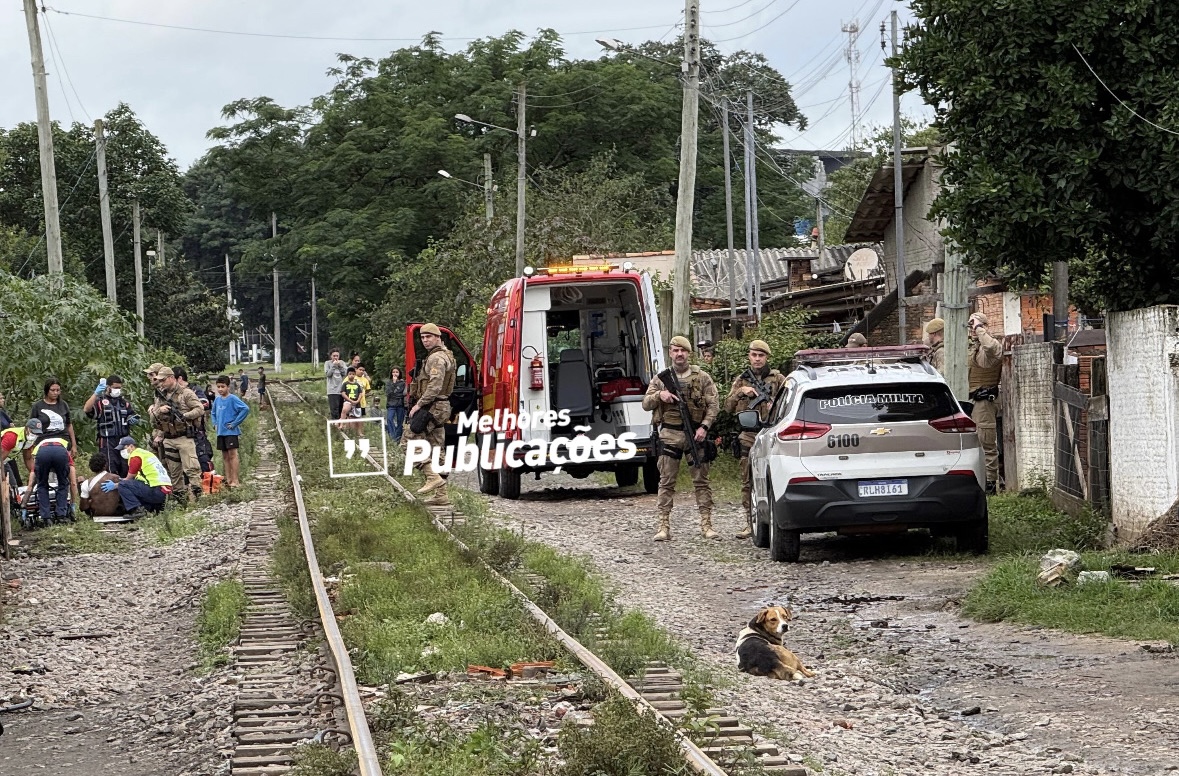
<point>695,757</point>
<point>362,740</point>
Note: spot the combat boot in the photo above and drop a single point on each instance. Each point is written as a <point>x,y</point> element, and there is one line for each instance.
<point>433,482</point>
<point>747,531</point>
<point>706,526</point>
<point>438,499</point>
<point>664,534</point>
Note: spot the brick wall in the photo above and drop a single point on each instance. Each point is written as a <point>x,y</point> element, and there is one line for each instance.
<point>1143,346</point>
<point>887,331</point>
<point>991,305</point>
<point>800,275</point>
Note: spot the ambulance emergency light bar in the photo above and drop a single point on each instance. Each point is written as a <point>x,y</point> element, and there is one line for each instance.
<point>815,357</point>
<point>576,269</point>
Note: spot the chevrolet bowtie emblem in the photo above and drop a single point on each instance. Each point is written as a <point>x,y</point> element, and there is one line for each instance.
<point>880,431</point>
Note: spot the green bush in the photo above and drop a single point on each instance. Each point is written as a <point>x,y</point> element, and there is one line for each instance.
<point>1029,522</point>
<point>621,742</point>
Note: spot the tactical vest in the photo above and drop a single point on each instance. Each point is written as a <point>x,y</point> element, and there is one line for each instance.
<point>110,415</point>
<point>979,376</point>
<point>773,383</point>
<point>692,388</point>
<point>151,471</point>
<point>449,365</point>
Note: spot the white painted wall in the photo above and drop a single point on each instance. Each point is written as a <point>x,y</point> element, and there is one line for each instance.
<point>1032,414</point>
<point>1143,369</point>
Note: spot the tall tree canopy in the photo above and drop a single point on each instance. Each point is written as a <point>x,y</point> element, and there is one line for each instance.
<point>354,177</point>
<point>1051,164</point>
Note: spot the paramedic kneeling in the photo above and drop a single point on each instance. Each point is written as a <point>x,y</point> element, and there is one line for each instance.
<point>147,485</point>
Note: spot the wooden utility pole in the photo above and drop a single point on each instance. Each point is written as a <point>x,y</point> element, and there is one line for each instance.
<point>681,312</point>
<point>138,273</point>
<point>488,189</point>
<point>729,214</point>
<point>751,144</point>
<point>314,320</point>
<point>521,177</point>
<point>898,195</point>
<point>45,144</point>
<point>277,319</point>
<point>104,207</point>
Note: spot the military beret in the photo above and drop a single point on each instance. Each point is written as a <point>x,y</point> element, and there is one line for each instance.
<point>682,342</point>
<point>430,328</point>
<point>760,345</point>
<point>934,326</point>
<point>857,340</point>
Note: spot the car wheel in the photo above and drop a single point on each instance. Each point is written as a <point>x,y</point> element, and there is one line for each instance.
<point>785,546</point>
<point>651,476</point>
<point>509,483</point>
<point>626,476</point>
<point>974,537</point>
<point>761,528</point>
<point>488,481</point>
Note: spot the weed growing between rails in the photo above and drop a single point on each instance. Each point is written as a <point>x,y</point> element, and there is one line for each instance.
<point>219,621</point>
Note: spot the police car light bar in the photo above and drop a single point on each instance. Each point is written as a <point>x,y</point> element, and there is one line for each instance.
<point>814,357</point>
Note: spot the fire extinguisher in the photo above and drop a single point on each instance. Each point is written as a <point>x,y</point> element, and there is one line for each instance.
<point>536,373</point>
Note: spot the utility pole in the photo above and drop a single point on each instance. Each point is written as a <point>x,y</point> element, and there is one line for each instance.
<point>852,55</point>
<point>45,144</point>
<point>277,330</point>
<point>489,190</point>
<point>104,207</point>
<point>953,313</point>
<point>229,310</point>
<point>1059,299</point>
<point>729,215</point>
<point>898,194</point>
<point>314,320</point>
<point>521,177</point>
<point>748,225</point>
<point>160,247</point>
<point>138,273</point>
<point>681,310</point>
<point>751,144</point>
<point>821,178</point>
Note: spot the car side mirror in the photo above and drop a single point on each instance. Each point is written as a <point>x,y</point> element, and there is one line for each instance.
<point>749,420</point>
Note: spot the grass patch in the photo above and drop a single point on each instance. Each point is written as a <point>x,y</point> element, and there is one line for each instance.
<point>1149,610</point>
<point>621,742</point>
<point>220,621</point>
<point>77,538</point>
<point>172,523</point>
<point>320,760</point>
<point>1028,522</point>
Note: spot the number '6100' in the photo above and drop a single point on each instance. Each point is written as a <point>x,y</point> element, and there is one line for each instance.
<point>843,440</point>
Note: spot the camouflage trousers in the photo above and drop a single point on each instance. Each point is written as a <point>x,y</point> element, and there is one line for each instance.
<point>987,420</point>
<point>669,470</point>
<point>435,434</point>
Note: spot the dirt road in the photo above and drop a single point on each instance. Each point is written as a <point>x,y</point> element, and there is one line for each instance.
<point>920,689</point>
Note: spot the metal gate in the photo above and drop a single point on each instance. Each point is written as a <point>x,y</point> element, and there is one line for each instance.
<point>1082,433</point>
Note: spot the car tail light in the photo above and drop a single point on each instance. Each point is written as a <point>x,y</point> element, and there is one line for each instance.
<point>958,423</point>
<point>801,429</point>
<point>796,480</point>
<point>963,472</point>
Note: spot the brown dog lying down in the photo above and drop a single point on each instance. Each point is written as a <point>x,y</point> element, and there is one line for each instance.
<point>759,647</point>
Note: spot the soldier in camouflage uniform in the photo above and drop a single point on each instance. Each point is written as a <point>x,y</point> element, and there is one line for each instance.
<point>431,393</point>
<point>741,395</point>
<point>984,371</point>
<point>935,331</point>
<point>703,405</point>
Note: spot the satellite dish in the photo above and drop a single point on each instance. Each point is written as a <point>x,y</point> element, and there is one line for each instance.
<point>861,265</point>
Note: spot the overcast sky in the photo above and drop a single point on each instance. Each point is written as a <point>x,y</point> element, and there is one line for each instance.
<point>177,80</point>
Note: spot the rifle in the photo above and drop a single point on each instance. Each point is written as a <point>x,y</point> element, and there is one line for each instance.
<point>755,382</point>
<point>668,378</point>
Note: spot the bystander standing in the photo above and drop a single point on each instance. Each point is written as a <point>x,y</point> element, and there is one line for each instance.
<point>113,416</point>
<point>333,371</point>
<point>243,381</point>
<point>229,413</point>
<point>395,404</point>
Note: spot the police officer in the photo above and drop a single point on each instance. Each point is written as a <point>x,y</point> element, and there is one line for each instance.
<point>934,334</point>
<point>114,417</point>
<point>984,370</point>
<point>434,384</point>
<point>147,484</point>
<point>745,391</point>
<point>857,340</point>
<point>702,402</point>
<point>174,415</point>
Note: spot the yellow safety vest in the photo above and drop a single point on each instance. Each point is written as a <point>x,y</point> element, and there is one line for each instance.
<point>151,470</point>
<point>22,440</point>
<point>52,441</point>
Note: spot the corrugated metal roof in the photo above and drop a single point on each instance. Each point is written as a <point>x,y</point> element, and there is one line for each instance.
<point>710,268</point>
<point>875,212</point>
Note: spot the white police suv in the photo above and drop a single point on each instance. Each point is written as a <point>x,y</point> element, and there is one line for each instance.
<point>866,441</point>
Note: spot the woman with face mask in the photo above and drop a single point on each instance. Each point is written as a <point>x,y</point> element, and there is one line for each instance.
<point>114,417</point>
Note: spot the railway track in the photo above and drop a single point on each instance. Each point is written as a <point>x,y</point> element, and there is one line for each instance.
<point>656,691</point>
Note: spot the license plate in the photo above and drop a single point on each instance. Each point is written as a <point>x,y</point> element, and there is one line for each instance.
<point>870,488</point>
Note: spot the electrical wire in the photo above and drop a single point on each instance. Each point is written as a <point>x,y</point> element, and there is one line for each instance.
<point>61,83</point>
<point>730,8</point>
<point>55,45</point>
<point>85,167</point>
<point>1119,99</point>
<point>787,10</point>
<point>744,18</point>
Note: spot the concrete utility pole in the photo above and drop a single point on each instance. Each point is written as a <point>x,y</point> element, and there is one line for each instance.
<point>521,177</point>
<point>821,177</point>
<point>277,329</point>
<point>488,189</point>
<point>45,143</point>
<point>752,146</point>
<point>229,310</point>
<point>729,214</point>
<point>1059,300</point>
<point>138,273</point>
<point>681,311</point>
<point>104,207</point>
<point>954,309</point>
<point>160,247</point>
<point>314,320</point>
<point>898,195</point>
<point>748,224</point>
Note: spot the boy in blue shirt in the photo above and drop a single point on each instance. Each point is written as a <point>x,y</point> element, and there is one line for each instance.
<point>229,412</point>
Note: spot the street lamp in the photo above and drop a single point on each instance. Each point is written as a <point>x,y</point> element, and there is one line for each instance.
<point>488,188</point>
<point>521,170</point>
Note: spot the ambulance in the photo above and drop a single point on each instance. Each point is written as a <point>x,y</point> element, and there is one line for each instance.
<point>578,342</point>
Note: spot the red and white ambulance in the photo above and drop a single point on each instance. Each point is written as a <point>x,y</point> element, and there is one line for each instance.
<point>577,341</point>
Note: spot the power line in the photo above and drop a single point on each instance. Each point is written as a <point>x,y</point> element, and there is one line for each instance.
<point>731,7</point>
<point>85,167</point>
<point>761,27</point>
<point>744,18</point>
<point>60,56</point>
<point>1119,99</point>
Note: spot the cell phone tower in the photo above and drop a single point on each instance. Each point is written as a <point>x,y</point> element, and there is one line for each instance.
<point>852,55</point>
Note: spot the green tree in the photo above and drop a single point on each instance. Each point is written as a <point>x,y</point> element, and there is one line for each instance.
<point>187,317</point>
<point>1051,164</point>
